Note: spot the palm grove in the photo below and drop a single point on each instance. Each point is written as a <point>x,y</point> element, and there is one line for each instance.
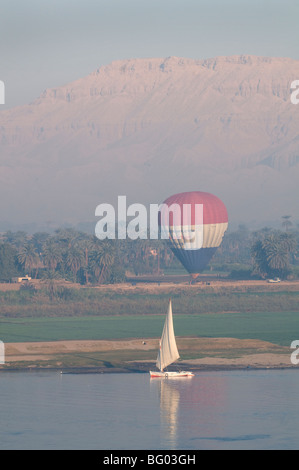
<point>80,257</point>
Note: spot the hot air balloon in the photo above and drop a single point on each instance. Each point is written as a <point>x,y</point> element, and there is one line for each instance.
<point>194,223</point>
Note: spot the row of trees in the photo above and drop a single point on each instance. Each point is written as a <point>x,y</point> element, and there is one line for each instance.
<point>81,257</point>
<point>272,254</point>
<point>266,252</point>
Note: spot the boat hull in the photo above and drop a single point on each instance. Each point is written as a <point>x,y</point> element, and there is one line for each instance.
<point>170,375</point>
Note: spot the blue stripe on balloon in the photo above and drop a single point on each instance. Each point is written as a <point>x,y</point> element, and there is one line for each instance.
<point>194,261</point>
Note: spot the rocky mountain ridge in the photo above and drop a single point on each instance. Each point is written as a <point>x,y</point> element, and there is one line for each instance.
<point>148,128</point>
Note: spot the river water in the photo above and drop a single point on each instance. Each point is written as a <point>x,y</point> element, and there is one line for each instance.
<point>251,409</point>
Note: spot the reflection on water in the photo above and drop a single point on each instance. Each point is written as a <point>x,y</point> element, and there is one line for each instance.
<point>184,397</point>
<point>169,407</point>
<point>213,410</point>
<point>229,410</point>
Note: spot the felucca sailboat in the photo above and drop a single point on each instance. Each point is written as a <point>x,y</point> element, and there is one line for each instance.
<point>168,352</point>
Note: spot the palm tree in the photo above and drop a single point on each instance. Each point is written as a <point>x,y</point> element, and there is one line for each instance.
<point>102,257</point>
<point>275,253</point>
<point>68,237</point>
<point>52,254</point>
<point>17,239</point>
<point>39,239</point>
<point>87,246</point>
<point>28,257</point>
<point>74,260</point>
<point>271,255</point>
<point>277,249</point>
<point>259,258</point>
<point>50,280</point>
<point>286,222</point>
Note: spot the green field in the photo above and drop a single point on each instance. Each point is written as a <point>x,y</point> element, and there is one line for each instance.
<point>276,327</point>
<point>84,302</point>
<point>258,312</point>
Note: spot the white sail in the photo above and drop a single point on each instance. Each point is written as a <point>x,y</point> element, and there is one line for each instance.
<point>168,352</point>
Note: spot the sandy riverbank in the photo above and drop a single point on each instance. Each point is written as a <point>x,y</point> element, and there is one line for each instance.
<point>133,354</point>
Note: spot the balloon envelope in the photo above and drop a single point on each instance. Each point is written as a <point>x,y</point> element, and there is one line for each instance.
<point>196,222</point>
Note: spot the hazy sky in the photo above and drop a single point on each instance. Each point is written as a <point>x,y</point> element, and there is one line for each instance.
<point>47,43</point>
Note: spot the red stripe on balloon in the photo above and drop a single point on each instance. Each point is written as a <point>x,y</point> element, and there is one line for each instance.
<point>214,210</point>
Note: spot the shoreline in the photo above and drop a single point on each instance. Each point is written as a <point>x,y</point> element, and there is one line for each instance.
<point>115,370</point>
<point>139,356</point>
